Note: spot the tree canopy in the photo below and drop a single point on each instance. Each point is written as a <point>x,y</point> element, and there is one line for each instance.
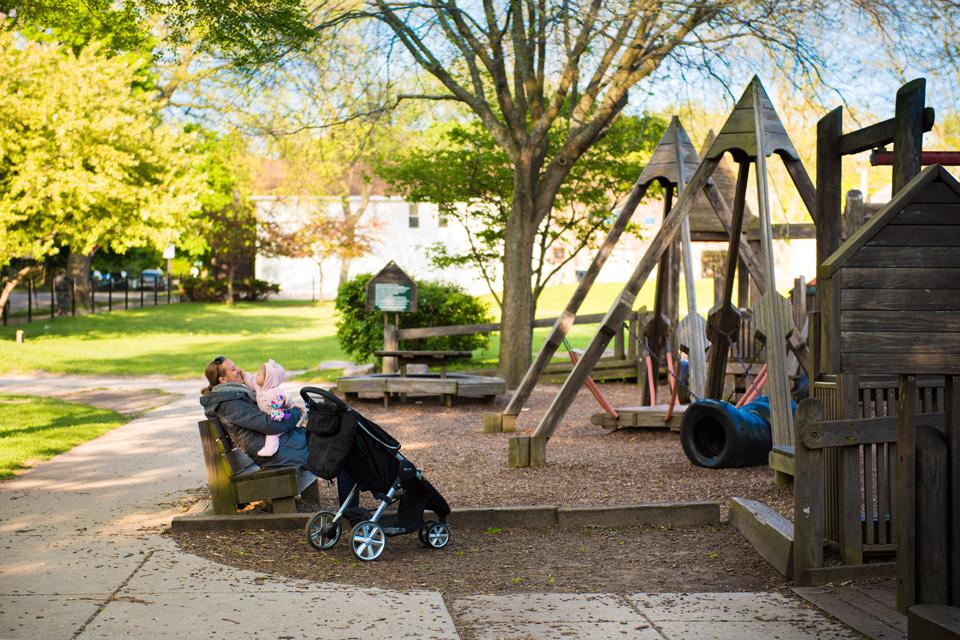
<point>85,160</point>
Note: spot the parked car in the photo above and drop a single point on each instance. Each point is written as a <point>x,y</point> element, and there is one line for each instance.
<point>149,279</point>
<point>105,281</point>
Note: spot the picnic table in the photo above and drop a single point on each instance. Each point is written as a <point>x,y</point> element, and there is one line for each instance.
<point>430,358</point>
<point>400,385</point>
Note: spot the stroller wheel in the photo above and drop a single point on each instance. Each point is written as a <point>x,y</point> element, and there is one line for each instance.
<point>322,532</point>
<point>435,535</point>
<point>368,541</point>
<point>422,534</point>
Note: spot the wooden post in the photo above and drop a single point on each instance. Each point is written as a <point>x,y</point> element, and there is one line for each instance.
<point>518,451</point>
<point>53,300</point>
<point>696,336</point>
<point>748,254</point>
<point>390,343</point>
<point>623,305</point>
<point>724,319</point>
<point>126,293</point>
<point>778,389</point>
<point>908,136</point>
<point>657,329</point>
<point>109,293</point>
<point>807,496</point>
<point>30,299</point>
<point>853,213</point>
<point>951,425</point>
<point>743,285</point>
<point>851,536</point>
<point>906,494</point>
<point>562,325</point>
<point>829,175</point>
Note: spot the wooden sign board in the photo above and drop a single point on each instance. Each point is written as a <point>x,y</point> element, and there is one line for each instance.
<point>392,291</point>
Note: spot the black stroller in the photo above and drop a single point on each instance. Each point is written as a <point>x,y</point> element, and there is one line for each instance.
<point>342,439</point>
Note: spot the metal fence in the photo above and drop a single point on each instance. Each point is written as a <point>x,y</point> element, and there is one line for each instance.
<point>48,300</point>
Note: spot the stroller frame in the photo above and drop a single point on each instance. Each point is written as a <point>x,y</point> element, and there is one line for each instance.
<point>368,537</point>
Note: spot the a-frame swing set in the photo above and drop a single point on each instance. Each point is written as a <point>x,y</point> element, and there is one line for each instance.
<point>752,132</point>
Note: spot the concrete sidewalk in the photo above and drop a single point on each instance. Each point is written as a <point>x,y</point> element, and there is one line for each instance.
<point>82,558</point>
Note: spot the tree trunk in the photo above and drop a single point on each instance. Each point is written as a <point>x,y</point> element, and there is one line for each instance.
<point>78,268</point>
<point>516,333</point>
<point>12,284</point>
<point>230,272</point>
<point>344,271</point>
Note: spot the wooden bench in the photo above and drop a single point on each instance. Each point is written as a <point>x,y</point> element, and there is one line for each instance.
<point>235,479</point>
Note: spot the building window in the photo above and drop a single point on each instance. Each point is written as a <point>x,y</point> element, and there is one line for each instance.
<point>559,253</point>
<point>414,215</point>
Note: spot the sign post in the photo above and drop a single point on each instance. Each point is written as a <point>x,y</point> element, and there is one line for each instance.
<point>391,291</point>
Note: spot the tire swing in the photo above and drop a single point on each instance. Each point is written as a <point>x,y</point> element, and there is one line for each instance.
<point>718,435</point>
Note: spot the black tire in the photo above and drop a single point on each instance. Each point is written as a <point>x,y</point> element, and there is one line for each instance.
<point>716,435</point>
<point>422,533</point>
<point>318,533</point>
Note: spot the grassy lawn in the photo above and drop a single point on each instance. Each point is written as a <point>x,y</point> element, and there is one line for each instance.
<point>178,340</point>
<point>33,429</point>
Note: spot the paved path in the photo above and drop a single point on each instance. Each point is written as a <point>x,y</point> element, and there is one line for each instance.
<point>81,557</point>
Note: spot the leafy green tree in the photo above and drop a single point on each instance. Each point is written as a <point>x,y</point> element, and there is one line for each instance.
<point>85,160</point>
<point>225,227</point>
<point>461,169</point>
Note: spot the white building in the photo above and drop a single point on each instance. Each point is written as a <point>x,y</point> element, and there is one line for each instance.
<point>406,230</point>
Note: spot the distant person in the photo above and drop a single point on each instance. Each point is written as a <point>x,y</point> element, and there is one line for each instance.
<point>63,286</point>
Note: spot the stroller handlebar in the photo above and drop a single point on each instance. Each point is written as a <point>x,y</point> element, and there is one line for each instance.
<point>327,396</point>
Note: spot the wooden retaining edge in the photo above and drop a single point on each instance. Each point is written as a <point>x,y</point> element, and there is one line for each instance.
<point>769,532</point>
<point>667,514</point>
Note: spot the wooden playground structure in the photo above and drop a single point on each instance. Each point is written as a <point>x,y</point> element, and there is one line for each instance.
<point>875,452</point>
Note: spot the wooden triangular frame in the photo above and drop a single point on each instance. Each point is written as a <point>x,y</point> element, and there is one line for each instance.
<point>748,143</point>
<point>670,158</point>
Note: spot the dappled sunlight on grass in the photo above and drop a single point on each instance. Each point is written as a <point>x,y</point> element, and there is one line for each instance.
<point>176,340</point>
<point>33,429</point>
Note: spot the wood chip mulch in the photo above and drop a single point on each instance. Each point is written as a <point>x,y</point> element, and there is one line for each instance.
<point>586,466</point>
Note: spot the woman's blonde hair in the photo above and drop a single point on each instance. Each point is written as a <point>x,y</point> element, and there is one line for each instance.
<point>212,374</point>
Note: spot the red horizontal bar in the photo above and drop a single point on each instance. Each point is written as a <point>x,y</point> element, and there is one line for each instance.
<point>949,158</point>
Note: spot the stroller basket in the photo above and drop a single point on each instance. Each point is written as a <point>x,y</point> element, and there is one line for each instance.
<point>343,440</point>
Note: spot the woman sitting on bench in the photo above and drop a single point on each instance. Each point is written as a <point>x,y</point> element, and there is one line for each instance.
<point>235,404</point>
<point>227,398</point>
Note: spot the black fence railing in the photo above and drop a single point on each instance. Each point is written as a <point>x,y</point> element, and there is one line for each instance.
<point>59,297</point>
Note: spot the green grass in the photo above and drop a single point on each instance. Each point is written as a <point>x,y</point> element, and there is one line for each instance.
<point>180,339</point>
<point>176,340</point>
<point>34,429</point>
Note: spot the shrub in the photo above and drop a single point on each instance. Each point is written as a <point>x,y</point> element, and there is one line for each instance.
<point>214,290</point>
<point>360,332</point>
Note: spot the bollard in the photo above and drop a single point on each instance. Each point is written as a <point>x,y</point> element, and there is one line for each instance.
<point>20,336</point>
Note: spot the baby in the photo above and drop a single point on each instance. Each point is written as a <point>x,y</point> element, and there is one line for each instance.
<point>270,399</point>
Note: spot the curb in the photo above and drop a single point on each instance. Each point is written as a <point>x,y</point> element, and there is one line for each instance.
<point>666,514</point>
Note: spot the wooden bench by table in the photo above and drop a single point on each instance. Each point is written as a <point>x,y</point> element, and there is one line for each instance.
<point>431,359</point>
<point>235,479</point>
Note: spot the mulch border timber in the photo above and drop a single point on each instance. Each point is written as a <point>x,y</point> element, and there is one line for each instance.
<point>666,514</point>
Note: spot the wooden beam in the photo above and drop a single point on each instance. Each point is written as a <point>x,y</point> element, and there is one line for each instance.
<point>951,394</point>
<point>807,494</point>
<point>879,134</point>
<point>908,134</point>
<point>697,347</point>
<point>623,305</point>
<point>781,413</point>
<point>724,320</point>
<point>906,495</point>
<point>562,324</point>
<point>747,254</point>
<point>829,175</point>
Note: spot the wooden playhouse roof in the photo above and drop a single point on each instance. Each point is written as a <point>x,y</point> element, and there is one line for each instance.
<point>936,181</point>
